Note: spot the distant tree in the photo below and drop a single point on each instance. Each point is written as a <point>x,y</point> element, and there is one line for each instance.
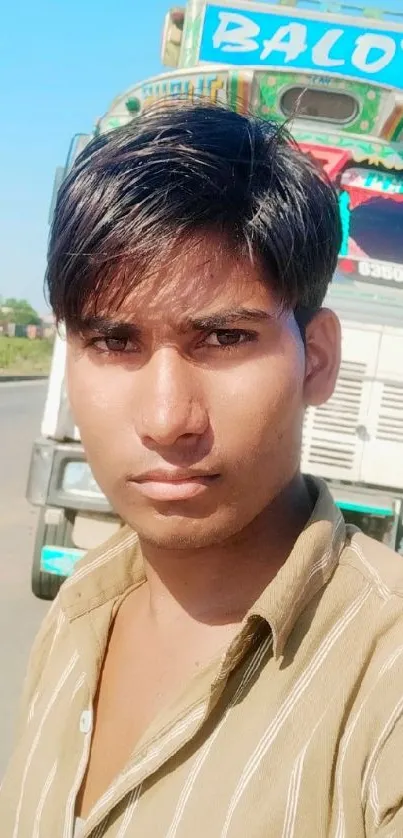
<point>21,312</point>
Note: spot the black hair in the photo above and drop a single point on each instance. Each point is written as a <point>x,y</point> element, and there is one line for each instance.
<point>182,169</point>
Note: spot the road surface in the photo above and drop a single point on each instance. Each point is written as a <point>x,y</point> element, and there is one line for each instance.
<point>21,406</point>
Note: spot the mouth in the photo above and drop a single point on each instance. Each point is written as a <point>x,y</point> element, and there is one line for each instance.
<point>172,486</point>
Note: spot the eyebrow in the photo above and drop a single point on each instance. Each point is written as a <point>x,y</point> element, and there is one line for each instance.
<point>208,322</point>
<point>223,319</point>
<point>106,326</point>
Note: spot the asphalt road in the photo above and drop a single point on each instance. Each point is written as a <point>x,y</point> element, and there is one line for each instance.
<point>21,406</point>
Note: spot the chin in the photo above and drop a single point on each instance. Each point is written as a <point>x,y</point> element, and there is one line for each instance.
<point>177,532</point>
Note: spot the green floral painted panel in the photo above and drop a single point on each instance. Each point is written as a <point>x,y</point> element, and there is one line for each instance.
<point>271,86</point>
<point>370,151</point>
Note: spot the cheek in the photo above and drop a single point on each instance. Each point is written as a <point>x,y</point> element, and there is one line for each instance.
<point>265,400</point>
<point>263,443</point>
<point>93,393</point>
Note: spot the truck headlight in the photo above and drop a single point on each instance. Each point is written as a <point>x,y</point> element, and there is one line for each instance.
<point>78,480</point>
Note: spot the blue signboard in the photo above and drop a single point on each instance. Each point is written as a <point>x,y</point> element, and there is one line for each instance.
<point>385,9</point>
<point>297,41</point>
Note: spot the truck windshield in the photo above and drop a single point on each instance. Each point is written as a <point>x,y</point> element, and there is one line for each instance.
<point>373,214</point>
<point>376,230</point>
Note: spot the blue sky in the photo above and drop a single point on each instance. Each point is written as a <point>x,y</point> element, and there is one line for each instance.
<point>61,64</point>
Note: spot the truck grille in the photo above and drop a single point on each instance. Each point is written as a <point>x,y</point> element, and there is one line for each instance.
<point>390,418</point>
<point>336,456</point>
<point>341,414</point>
<point>330,432</point>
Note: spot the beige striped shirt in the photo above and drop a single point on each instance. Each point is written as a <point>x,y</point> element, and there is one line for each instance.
<point>297,732</point>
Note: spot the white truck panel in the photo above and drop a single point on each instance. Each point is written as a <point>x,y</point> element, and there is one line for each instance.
<point>383,457</point>
<point>334,434</point>
<point>57,422</point>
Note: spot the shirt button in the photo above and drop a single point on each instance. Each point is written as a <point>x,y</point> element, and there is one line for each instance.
<point>86,721</point>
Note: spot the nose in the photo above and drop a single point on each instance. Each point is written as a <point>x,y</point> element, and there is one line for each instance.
<point>171,406</point>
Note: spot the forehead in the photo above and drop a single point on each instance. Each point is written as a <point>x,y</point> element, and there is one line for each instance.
<point>197,277</point>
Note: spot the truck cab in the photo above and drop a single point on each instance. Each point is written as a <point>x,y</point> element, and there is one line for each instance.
<point>334,72</point>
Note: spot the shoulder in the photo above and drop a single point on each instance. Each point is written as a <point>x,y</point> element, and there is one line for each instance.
<point>124,538</point>
<point>45,640</point>
<point>48,632</point>
<point>103,574</point>
<point>373,739</point>
<point>380,566</point>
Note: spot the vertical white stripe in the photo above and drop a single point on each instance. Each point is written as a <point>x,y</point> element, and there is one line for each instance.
<point>53,607</point>
<point>383,591</point>
<point>392,660</point>
<point>178,730</point>
<point>130,540</point>
<point>389,663</point>
<point>373,760</point>
<point>80,683</point>
<point>292,797</point>
<point>374,802</point>
<point>100,830</point>
<point>295,784</point>
<point>252,668</point>
<point>71,800</point>
<point>67,672</point>
<point>42,799</point>
<point>289,705</point>
<point>60,621</point>
<point>32,706</point>
<point>321,564</point>
<point>133,801</point>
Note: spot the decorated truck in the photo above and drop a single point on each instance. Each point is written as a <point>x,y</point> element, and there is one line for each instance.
<point>334,71</point>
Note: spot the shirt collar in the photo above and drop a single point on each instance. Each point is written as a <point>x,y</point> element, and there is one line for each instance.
<point>308,568</point>
<point>104,575</point>
<point>110,571</point>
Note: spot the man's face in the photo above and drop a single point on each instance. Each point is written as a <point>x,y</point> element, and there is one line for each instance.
<point>191,407</point>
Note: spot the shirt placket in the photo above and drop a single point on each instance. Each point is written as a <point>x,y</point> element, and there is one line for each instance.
<point>86,637</point>
<point>169,741</point>
<point>84,732</point>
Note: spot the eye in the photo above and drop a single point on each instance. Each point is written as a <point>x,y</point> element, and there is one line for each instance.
<point>116,344</point>
<point>228,337</point>
<point>113,345</point>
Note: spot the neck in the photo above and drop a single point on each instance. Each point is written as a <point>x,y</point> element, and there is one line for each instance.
<point>217,585</point>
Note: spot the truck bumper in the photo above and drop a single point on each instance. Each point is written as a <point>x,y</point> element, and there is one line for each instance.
<point>379,513</point>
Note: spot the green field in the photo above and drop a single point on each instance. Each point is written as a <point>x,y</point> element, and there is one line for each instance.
<point>21,356</point>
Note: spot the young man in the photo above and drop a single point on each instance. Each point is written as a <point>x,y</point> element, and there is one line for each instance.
<point>230,664</point>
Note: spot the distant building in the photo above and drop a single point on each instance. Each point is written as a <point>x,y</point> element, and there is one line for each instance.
<point>8,328</point>
<point>48,319</point>
<point>48,325</point>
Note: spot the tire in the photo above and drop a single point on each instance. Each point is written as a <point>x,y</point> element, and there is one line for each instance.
<point>46,585</point>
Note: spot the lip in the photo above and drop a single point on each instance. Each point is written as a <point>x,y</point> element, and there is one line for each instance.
<point>171,486</point>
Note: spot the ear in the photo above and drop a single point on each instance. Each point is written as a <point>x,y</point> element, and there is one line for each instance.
<point>323,355</point>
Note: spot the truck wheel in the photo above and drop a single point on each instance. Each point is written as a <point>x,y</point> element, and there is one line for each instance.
<point>58,532</point>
